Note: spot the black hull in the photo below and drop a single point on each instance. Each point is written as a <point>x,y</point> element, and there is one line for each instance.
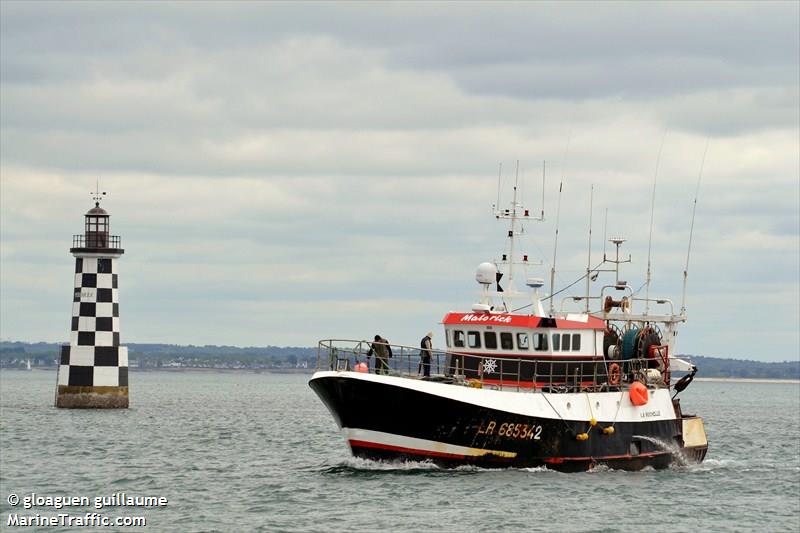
<point>385,421</point>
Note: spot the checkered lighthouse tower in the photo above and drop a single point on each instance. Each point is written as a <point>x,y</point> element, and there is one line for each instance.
<point>94,368</point>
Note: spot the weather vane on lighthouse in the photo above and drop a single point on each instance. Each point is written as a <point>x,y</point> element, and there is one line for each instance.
<point>97,195</point>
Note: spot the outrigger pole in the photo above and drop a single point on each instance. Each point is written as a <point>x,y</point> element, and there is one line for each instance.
<point>652,213</point>
<point>558,216</point>
<point>691,229</point>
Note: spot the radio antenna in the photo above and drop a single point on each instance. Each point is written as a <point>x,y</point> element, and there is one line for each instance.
<point>544,168</point>
<point>499,174</point>
<point>589,254</point>
<point>652,213</point>
<point>691,228</point>
<point>558,216</point>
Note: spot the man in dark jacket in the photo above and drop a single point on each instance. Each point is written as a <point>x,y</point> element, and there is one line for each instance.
<point>382,352</point>
<point>425,354</point>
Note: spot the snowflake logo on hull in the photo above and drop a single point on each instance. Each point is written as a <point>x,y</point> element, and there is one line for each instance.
<point>489,366</point>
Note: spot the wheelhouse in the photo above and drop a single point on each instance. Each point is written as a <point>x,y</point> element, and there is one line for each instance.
<point>506,335</point>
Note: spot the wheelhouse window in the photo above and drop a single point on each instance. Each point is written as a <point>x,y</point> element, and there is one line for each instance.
<point>556,342</point>
<point>576,342</point>
<point>522,341</point>
<point>506,340</point>
<point>540,342</point>
<point>565,342</point>
<point>458,339</point>
<point>491,340</point>
<point>447,338</point>
<point>474,339</point>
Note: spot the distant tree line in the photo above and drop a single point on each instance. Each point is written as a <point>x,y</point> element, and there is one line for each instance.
<point>16,355</point>
<point>717,367</point>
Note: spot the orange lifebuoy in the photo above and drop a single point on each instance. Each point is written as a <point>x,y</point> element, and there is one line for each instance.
<point>638,393</point>
<point>613,374</point>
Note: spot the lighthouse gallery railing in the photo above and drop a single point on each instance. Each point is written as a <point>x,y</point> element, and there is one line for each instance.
<point>550,374</point>
<point>99,240</point>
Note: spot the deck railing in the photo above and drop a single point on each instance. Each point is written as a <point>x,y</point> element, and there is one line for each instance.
<point>551,374</point>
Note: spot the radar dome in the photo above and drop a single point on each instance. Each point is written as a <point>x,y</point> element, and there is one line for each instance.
<point>486,274</point>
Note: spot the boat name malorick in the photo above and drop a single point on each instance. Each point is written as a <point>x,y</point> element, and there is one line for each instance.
<point>486,318</point>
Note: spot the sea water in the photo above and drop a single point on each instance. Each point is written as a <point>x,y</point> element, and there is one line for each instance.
<point>259,452</point>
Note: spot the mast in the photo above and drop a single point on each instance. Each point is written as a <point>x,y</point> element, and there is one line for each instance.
<point>515,214</point>
<point>589,254</point>
<point>558,215</point>
<point>555,250</point>
<point>512,232</point>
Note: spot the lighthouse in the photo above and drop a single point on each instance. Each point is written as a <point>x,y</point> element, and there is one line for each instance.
<point>93,372</point>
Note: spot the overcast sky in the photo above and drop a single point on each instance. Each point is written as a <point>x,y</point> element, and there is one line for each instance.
<point>283,173</point>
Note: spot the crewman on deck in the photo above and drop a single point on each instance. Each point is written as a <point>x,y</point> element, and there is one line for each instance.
<point>425,354</point>
<point>382,352</point>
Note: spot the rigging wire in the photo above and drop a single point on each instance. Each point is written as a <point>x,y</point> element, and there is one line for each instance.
<point>691,227</point>
<point>562,289</point>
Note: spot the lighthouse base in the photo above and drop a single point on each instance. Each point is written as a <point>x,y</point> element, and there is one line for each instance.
<point>73,397</point>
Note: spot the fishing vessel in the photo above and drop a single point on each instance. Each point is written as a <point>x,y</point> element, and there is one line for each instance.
<point>519,385</point>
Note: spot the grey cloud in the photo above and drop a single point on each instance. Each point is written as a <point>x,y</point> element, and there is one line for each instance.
<point>327,161</point>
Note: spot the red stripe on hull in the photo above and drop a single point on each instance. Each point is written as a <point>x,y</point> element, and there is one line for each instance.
<point>402,449</point>
<point>559,460</point>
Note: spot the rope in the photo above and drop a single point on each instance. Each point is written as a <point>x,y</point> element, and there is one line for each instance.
<point>619,406</point>
<point>544,395</point>
<point>591,413</point>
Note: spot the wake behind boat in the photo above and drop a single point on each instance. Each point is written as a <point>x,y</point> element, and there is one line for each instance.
<point>566,390</point>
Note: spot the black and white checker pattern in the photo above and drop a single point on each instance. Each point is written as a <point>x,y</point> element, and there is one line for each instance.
<point>93,366</point>
<point>94,356</point>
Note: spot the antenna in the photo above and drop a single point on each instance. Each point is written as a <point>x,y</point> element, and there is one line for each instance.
<point>97,195</point>
<point>512,231</point>
<point>652,213</point>
<point>589,255</point>
<point>499,174</point>
<point>605,234</point>
<point>544,167</point>
<point>555,249</point>
<point>558,216</point>
<point>691,229</point>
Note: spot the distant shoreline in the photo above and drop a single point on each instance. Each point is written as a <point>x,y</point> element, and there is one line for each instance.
<point>311,371</point>
<point>136,369</point>
<point>750,380</point>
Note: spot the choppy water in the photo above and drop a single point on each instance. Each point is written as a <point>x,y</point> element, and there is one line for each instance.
<point>259,452</point>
